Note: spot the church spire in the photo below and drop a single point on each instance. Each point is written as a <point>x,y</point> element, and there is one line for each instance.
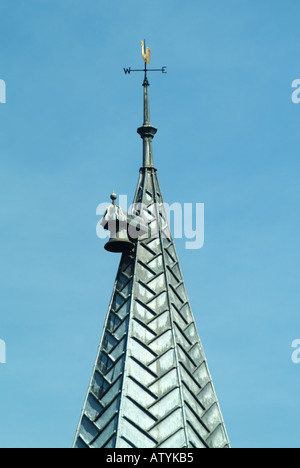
<point>151,387</point>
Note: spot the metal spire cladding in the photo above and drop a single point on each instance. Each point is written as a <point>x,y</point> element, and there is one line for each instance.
<point>150,387</point>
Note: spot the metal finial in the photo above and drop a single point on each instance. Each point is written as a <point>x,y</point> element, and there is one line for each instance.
<point>113,197</point>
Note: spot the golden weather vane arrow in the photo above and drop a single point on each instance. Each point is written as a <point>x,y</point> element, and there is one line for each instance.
<point>146,54</point>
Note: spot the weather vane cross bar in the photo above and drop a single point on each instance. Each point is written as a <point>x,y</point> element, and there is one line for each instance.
<point>127,71</point>
<point>146,54</point>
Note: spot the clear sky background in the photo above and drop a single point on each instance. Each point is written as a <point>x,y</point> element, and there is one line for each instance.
<point>228,137</point>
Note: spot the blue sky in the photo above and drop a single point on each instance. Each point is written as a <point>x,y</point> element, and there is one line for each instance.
<point>228,137</point>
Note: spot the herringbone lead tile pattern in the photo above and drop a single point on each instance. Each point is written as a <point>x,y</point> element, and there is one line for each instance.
<point>151,387</point>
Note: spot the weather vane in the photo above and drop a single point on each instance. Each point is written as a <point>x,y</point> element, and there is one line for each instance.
<point>146,54</point>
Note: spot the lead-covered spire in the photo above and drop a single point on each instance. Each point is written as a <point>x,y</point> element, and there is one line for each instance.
<point>151,386</point>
